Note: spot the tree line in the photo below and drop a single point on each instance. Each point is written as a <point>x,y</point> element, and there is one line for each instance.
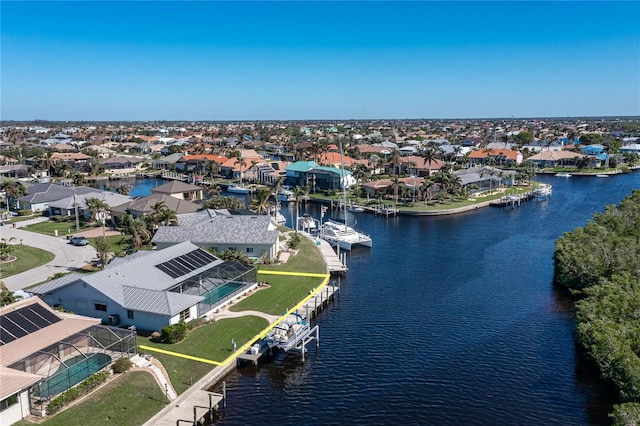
<point>601,264</point>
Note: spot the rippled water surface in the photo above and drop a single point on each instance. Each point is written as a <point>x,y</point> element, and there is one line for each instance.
<point>446,321</point>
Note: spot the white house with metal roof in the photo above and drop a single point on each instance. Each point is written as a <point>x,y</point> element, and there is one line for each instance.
<point>253,235</point>
<point>150,289</point>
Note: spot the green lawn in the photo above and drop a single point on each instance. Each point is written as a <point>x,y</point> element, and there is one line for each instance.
<point>283,294</point>
<point>119,244</point>
<point>308,259</point>
<point>64,228</point>
<point>27,257</point>
<point>212,341</point>
<point>131,399</point>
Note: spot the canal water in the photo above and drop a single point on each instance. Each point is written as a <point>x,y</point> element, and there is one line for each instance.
<point>445,321</point>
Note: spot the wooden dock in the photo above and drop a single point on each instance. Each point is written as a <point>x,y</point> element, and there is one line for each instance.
<point>335,266</point>
<point>200,407</point>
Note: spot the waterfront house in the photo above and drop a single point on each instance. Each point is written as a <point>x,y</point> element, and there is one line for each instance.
<point>633,148</point>
<point>199,163</point>
<point>316,177</point>
<point>120,164</point>
<point>503,157</point>
<point>144,206</point>
<point>167,162</point>
<point>148,289</point>
<point>44,352</point>
<point>253,235</point>
<point>78,161</point>
<point>485,177</point>
<point>179,190</point>
<point>555,159</point>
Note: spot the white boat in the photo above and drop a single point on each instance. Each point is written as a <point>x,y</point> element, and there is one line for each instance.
<point>340,234</point>
<point>234,188</point>
<point>566,175</point>
<point>286,195</point>
<point>353,208</point>
<point>307,223</point>
<point>343,236</point>
<point>289,332</point>
<point>275,214</point>
<point>602,175</point>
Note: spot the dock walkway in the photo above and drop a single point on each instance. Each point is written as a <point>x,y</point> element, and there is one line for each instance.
<point>331,259</point>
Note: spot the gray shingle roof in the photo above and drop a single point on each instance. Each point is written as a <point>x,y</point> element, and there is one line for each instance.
<point>221,229</point>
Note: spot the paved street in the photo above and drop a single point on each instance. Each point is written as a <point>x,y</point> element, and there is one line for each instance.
<point>67,257</point>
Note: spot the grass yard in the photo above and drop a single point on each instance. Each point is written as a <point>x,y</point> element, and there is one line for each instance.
<point>212,341</point>
<point>27,257</point>
<point>64,228</point>
<point>119,244</point>
<point>308,259</point>
<point>283,294</point>
<point>131,399</point>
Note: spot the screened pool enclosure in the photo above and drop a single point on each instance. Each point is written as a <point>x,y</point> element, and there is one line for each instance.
<point>68,362</point>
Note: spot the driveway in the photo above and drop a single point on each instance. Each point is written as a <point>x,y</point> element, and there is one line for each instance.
<point>67,257</point>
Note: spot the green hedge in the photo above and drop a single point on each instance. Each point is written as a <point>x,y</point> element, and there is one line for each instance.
<point>76,392</point>
<point>174,333</point>
<point>601,263</point>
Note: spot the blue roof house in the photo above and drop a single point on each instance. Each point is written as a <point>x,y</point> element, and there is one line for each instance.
<point>316,177</point>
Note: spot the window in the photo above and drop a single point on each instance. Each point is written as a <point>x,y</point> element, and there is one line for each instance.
<point>185,315</point>
<point>130,314</point>
<point>249,249</point>
<point>100,307</point>
<point>8,402</point>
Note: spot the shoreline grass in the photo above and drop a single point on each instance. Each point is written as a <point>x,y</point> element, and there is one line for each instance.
<point>211,341</point>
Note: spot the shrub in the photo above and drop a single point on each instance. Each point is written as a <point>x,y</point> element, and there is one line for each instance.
<point>196,323</point>
<point>25,212</point>
<point>122,365</point>
<point>174,333</point>
<point>294,242</point>
<point>74,393</point>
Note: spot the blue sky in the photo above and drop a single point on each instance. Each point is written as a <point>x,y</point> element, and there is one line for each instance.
<point>88,60</point>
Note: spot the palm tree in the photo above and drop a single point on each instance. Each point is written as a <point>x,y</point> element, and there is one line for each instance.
<point>300,193</point>
<point>96,206</point>
<point>430,154</point>
<point>261,202</point>
<point>395,158</point>
<point>5,248</point>
<point>242,163</point>
<point>425,188</point>
<point>395,185</point>
<point>13,189</point>
<point>135,228</point>
<point>168,217</point>
<point>8,297</point>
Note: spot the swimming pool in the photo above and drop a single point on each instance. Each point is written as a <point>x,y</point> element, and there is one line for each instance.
<point>78,368</point>
<point>217,294</point>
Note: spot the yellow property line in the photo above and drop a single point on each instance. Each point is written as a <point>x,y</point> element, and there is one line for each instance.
<point>264,332</point>
<point>179,355</point>
<point>294,274</point>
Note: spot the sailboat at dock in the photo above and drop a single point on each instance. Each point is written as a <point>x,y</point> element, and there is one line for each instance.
<point>341,234</point>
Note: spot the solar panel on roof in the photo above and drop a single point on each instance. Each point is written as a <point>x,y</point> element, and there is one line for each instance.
<point>164,269</point>
<point>46,315</point>
<point>12,328</point>
<point>26,320</point>
<point>21,320</point>
<point>189,262</point>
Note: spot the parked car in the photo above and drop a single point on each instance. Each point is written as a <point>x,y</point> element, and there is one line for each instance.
<point>78,241</point>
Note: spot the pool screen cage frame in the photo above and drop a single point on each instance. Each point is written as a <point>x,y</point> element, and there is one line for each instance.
<point>237,274</point>
<point>102,343</point>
